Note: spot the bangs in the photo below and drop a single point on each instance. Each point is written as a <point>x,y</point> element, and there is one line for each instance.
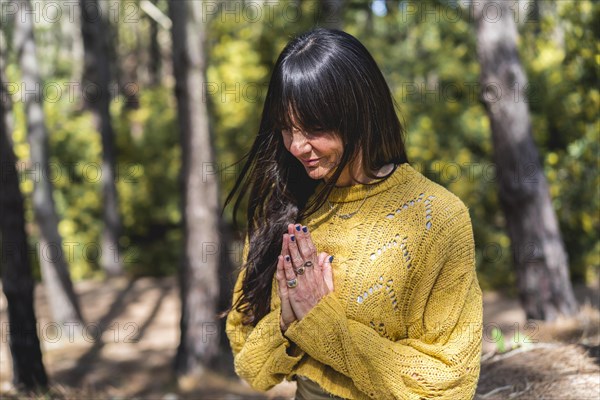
<point>307,100</point>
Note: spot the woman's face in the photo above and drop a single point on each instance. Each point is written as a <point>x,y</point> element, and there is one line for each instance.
<point>319,151</point>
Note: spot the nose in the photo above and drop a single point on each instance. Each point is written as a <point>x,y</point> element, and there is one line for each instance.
<point>300,145</point>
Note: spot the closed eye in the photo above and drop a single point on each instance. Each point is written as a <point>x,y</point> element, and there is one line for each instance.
<point>313,132</point>
<point>316,132</point>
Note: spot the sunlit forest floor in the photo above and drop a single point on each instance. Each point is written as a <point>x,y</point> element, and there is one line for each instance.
<point>138,336</point>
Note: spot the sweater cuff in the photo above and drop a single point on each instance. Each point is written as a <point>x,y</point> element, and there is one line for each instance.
<point>285,354</point>
<point>322,322</point>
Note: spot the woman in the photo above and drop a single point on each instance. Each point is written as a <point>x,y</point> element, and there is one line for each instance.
<point>359,275</point>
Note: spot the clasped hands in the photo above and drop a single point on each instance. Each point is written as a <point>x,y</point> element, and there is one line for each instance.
<point>312,282</point>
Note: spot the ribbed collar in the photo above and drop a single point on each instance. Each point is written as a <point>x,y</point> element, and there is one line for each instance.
<point>402,174</point>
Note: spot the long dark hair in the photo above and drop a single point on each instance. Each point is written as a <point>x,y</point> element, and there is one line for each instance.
<point>324,79</point>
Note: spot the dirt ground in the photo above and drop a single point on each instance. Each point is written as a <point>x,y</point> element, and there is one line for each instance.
<point>126,349</point>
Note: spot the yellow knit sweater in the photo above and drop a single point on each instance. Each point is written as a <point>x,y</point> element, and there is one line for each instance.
<point>405,318</point>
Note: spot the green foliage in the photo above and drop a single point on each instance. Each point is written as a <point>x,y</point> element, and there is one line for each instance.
<point>75,172</point>
<point>242,52</point>
<point>500,340</point>
<point>75,148</point>
<point>431,65</point>
<point>148,185</point>
<point>561,54</point>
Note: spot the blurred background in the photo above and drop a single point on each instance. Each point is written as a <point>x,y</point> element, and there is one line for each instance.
<point>122,123</point>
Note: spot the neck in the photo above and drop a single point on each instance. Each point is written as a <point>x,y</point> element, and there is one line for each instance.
<point>359,177</point>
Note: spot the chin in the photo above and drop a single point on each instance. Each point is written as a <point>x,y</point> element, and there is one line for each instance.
<point>316,173</point>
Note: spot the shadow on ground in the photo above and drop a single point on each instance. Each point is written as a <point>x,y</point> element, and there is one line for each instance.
<point>127,346</point>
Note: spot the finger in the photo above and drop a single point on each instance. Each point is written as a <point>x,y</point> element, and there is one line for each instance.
<point>287,261</point>
<point>280,274</point>
<point>292,240</point>
<point>302,242</point>
<point>318,274</point>
<point>314,273</point>
<point>308,242</point>
<point>322,257</point>
<point>283,244</point>
<point>295,255</point>
<point>318,269</point>
<point>286,251</point>
<point>328,273</point>
<point>280,264</point>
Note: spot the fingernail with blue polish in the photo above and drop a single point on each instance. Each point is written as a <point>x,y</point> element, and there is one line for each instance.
<point>298,228</point>
<point>293,238</point>
<point>287,258</point>
<point>305,229</point>
<point>330,258</point>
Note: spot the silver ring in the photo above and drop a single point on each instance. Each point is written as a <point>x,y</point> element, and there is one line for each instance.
<point>308,264</point>
<point>292,283</point>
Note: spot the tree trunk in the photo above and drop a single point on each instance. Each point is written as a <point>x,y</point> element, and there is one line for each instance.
<point>94,25</point>
<point>124,60</point>
<point>17,281</point>
<point>154,63</point>
<point>53,262</point>
<point>198,275</point>
<point>539,255</point>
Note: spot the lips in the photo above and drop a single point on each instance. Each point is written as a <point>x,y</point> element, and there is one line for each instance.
<point>311,162</point>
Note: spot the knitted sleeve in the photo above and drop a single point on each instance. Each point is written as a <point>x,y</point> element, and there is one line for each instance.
<point>441,355</point>
<point>260,353</point>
